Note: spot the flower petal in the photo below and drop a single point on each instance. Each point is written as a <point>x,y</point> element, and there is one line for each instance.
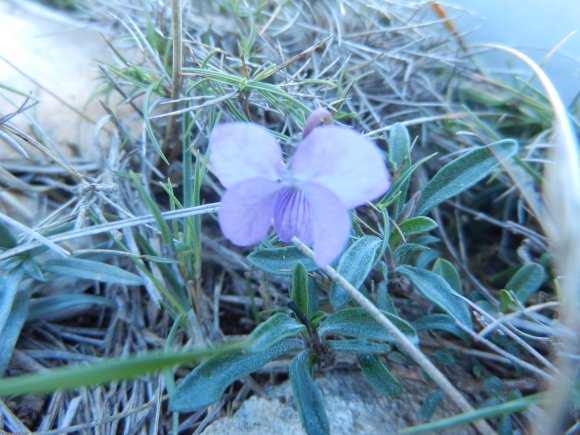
<point>243,150</point>
<point>247,209</point>
<point>344,162</point>
<point>330,222</point>
<point>292,215</point>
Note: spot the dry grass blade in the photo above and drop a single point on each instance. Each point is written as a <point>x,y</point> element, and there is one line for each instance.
<point>103,228</point>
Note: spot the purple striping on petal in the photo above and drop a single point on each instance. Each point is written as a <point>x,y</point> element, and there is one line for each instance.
<point>292,215</point>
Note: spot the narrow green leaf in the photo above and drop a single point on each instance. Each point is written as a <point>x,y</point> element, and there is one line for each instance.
<point>438,322</point>
<point>356,322</point>
<point>8,291</point>
<point>412,226</point>
<point>510,407</point>
<point>399,144</point>
<point>448,272</point>
<point>526,281</point>
<point>356,346</point>
<point>406,250</point>
<point>384,301</point>
<point>65,306</point>
<point>430,405</point>
<point>280,261</point>
<point>401,182</point>
<point>11,330</point>
<point>438,291</point>
<point>206,384</point>
<point>7,240</point>
<point>277,328</point>
<point>155,210</point>
<point>33,270</point>
<point>378,375</point>
<point>117,369</point>
<point>307,397</point>
<point>313,297</point>
<point>463,172</point>
<point>299,293</point>
<point>90,269</point>
<point>355,264</point>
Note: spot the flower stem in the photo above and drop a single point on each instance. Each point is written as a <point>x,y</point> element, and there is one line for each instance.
<point>402,341</point>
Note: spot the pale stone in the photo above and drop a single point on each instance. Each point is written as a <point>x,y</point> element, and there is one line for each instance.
<point>60,55</point>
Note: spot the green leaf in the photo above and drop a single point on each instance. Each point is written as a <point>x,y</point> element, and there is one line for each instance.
<point>405,250</point>
<point>117,369</point>
<point>33,270</point>
<point>277,328</point>
<point>299,292</point>
<point>8,291</point>
<point>465,418</point>
<point>438,322</point>
<point>280,261</point>
<point>430,405</point>
<point>448,272</point>
<point>526,281</point>
<point>307,397</point>
<point>11,330</point>
<point>356,322</point>
<point>313,297</point>
<point>354,265</point>
<point>412,226</point>
<point>93,270</point>
<point>384,301</point>
<point>64,306</point>
<point>438,291</point>
<point>378,375</point>
<point>356,346</point>
<point>463,172</point>
<point>399,144</point>
<point>7,240</point>
<point>206,384</point>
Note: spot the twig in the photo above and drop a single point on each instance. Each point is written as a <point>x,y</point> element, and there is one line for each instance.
<point>401,340</point>
<point>177,61</point>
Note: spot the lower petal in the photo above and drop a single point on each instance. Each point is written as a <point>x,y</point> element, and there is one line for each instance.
<point>247,209</point>
<point>292,215</point>
<point>330,222</point>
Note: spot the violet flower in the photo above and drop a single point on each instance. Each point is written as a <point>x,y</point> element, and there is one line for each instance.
<point>333,170</point>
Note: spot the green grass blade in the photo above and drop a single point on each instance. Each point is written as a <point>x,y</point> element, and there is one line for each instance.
<point>117,369</point>
<point>468,417</point>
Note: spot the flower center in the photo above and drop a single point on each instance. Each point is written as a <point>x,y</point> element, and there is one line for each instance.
<point>292,215</point>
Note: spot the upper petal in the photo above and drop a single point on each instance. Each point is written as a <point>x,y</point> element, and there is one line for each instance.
<point>330,222</point>
<point>243,150</point>
<point>247,209</point>
<point>344,162</point>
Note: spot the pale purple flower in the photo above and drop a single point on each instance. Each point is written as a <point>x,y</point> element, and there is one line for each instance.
<point>333,170</point>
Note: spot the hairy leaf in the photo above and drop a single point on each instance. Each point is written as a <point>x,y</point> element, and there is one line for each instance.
<point>438,291</point>
<point>464,172</point>
<point>378,375</point>
<point>93,270</point>
<point>355,264</point>
<point>307,397</point>
<point>280,261</point>
<point>356,322</point>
